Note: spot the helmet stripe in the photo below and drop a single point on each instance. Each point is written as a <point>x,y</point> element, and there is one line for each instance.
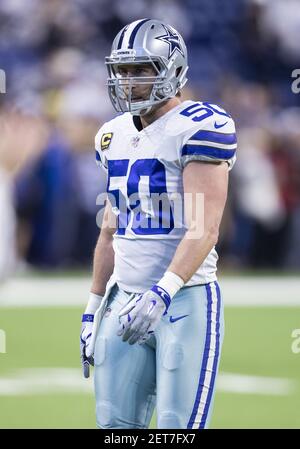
<point>122,37</point>
<point>134,31</point>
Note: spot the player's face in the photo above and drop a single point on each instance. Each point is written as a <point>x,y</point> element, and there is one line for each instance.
<point>140,90</point>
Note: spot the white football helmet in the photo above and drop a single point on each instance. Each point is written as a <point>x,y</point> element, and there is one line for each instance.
<point>142,42</point>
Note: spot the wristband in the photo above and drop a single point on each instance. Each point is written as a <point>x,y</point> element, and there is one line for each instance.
<point>167,287</point>
<point>86,317</point>
<point>93,303</point>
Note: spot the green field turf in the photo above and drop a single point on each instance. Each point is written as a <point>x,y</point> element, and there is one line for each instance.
<point>257,343</point>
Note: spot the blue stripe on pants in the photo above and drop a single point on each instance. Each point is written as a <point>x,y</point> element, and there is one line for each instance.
<point>205,359</point>
<point>216,357</point>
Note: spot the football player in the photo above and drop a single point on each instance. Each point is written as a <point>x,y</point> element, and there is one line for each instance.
<point>154,325</point>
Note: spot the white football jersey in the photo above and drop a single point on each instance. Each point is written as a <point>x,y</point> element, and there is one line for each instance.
<point>144,183</point>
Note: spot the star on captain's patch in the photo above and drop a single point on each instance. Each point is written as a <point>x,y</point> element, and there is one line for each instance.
<point>173,40</point>
<point>106,140</point>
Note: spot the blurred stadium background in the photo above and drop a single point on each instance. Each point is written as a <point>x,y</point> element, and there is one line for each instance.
<point>241,54</point>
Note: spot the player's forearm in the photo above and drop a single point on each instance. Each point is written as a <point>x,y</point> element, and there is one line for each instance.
<point>202,234</point>
<point>190,255</point>
<point>103,263</point>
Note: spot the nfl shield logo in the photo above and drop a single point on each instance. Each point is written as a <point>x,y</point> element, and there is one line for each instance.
<point>135,141</point>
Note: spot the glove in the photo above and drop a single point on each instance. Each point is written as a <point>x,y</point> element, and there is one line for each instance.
<point>86,332</point>
<point>85,335</point>
<point>141,316</point>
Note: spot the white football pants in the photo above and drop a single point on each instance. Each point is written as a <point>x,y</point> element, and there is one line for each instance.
<point>175,370</point>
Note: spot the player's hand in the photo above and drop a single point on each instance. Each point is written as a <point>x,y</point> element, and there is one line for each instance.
<point>85,337</point>
<point>140,317</point>
<point>86,331</point>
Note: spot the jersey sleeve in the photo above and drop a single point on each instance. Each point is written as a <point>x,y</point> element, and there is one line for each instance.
<point>101,160</point>
<point>215,142</point>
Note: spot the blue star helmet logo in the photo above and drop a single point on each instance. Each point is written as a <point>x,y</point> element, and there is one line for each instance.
<point>173,40</point>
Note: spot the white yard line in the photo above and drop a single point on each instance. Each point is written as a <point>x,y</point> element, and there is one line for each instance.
<point>44,381</point>
<point>239,291</point>
<point>38,381</point>
<point>45,292</point>
<point>244,384</point>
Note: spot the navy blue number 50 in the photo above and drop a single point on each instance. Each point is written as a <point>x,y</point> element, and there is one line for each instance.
<point>162,220</point>
<point>203,110</point>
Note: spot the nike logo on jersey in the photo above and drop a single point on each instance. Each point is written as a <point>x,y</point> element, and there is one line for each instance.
<point>173,320</point>
<point>217,126</point>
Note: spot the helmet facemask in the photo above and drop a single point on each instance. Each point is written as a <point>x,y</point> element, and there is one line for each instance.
<point>120,88</point>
